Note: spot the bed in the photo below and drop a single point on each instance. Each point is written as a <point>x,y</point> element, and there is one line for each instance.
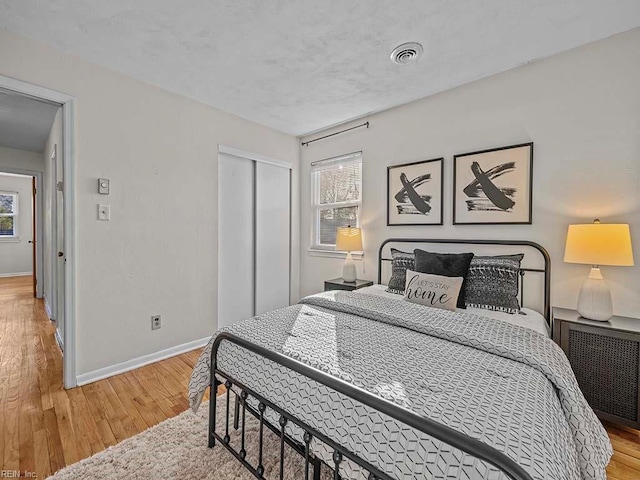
<point>376,387</point>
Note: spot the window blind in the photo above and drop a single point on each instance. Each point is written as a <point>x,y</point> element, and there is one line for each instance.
<point>8,213</point>
<point>337,190</point>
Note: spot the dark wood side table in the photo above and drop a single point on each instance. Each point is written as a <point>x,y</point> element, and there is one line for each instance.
<point>340,284</point>
<point>605,357</point>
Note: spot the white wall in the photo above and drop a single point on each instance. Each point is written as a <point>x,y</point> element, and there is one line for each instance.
<point>16,256</point>
<point>158,254</point>
<point>581,108</point>
<point>20,159</point>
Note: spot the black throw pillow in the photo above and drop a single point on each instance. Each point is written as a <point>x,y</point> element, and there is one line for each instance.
<point>446,264</point>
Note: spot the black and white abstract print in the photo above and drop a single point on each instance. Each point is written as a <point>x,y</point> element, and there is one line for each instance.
<point>410,202</point>
<point>493,186</point>
<point>484,195</point>
<point>415,193</point>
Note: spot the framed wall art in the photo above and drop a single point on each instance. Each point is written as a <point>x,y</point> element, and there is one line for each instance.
<point>414,193</point>
<point>493,186</point>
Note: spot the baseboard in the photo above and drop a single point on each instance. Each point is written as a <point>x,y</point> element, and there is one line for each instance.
<point>134,363</point>
<point>47,308</point>
<point>59,340</point>
<point>18,274</point>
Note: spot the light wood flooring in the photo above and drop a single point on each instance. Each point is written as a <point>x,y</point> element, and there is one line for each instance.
<point>44,427</point>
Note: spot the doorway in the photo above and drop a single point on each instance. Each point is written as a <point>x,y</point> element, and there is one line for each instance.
<point>53,221</point>
<point>20,222</point>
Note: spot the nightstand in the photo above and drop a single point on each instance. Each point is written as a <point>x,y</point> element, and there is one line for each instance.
<point>340,284</point>
<point>605,357</point>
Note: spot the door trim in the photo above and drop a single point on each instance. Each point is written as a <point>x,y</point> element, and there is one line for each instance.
<point>52,303</point>
<point>256,157</point>
<point>68,155</point>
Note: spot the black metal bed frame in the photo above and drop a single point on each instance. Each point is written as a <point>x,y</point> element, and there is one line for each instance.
<point>312,464</point>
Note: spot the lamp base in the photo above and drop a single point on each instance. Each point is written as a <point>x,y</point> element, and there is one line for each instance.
<point>349,269</point>
<point>594,301</point>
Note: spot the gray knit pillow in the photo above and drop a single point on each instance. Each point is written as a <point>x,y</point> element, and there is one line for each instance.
<point>492,283</point>
<point>400,262</point>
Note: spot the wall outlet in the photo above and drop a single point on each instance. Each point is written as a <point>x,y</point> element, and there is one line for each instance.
<point>104,213</point>
<point>156,322</point>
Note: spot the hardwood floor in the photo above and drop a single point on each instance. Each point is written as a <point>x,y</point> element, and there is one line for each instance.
<point>625,464</point>
<point>44,427</point>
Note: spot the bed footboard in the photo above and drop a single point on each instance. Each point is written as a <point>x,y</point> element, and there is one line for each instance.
<point>312,465</point>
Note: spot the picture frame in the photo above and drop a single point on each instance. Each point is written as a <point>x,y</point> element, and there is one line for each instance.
<point>414,193</point>
<point>494,186</point>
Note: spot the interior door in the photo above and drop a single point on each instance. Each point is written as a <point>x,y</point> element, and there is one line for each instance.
<point>236,294</point>
<point>273,236</point>
<point>59,242</point>
<point>34,235</point>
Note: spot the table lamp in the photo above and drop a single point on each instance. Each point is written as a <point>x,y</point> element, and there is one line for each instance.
<point>349,239</point>
<point>598,244</point>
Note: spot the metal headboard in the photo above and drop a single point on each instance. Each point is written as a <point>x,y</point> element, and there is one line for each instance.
<point>546,271</point>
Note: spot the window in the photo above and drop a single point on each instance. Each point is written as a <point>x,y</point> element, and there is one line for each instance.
<point>8,214</point>
<point>336,185</point>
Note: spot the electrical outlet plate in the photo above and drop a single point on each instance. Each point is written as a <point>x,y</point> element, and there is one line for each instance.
<point>156,322</point>
<point>104,213</point>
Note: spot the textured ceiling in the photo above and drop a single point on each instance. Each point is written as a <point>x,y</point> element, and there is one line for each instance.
<point>301,65</point>
<point>24,123</point>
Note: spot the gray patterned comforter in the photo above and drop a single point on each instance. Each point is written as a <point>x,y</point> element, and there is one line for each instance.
<point>503,384</point>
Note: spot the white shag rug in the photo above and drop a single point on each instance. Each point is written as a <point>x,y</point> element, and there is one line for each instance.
<point>177,448</point>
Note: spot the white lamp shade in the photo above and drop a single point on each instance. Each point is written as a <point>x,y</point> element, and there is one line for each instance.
<point>599,244</point>
<point>349,239</point>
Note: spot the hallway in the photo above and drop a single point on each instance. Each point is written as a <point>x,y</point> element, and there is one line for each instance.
<point>43,427</point>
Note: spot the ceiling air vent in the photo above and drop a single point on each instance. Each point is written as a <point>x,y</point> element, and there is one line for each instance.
<point>406,53</point>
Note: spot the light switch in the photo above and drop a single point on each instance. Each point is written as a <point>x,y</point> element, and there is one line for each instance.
<point>103,186</point>
<point>104,212</point>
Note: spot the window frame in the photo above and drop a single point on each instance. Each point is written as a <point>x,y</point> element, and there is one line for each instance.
<point>316,206</point>
<point>14,214</point>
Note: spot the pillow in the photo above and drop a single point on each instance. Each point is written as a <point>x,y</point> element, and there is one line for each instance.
<point>435,291</point>
<point>400,262</point>
<point>446,264</point>
<point>492,283</point>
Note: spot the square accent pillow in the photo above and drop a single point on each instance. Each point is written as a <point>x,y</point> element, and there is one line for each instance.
<point>492,283</point>
<point>435,291</point>
<point>400,262</point>
<point>446,264</point>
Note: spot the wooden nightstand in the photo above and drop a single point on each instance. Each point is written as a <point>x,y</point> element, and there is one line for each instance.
<point>605,357</point>
<point>340,284</point>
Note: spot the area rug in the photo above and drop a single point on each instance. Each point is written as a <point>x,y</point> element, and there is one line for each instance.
<point>177,448</point>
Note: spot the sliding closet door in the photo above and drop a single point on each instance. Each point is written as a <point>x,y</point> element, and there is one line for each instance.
<point>236,200</point>
<point>273,233</point>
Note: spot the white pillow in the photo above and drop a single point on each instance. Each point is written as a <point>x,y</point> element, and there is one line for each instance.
<point>432,290</point>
